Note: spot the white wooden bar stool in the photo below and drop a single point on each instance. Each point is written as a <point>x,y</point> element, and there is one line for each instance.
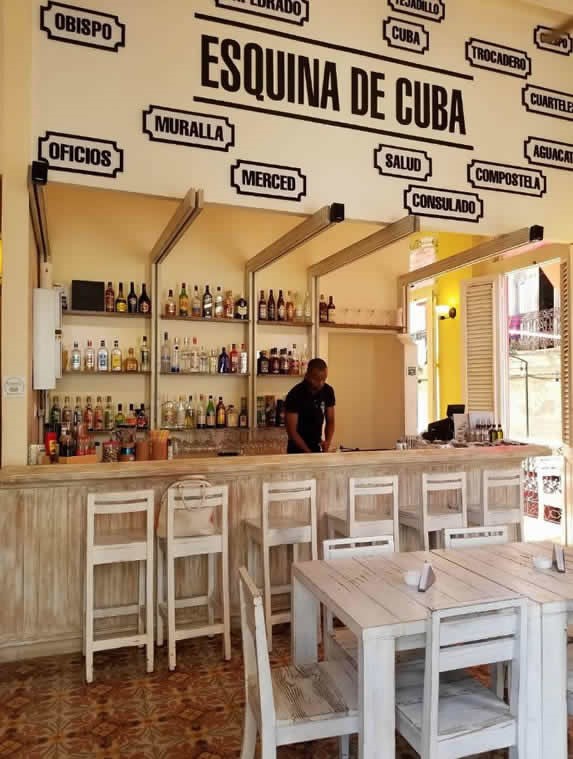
<point>116,546</point>
<point>349,524</point>
<point>504,510</point>
<point>195,523</point>
<point>282,529</point>
<point>424,519</point>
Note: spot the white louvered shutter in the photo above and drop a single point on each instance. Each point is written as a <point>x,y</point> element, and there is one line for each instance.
<point>481,328</point>
<point>565,298</point>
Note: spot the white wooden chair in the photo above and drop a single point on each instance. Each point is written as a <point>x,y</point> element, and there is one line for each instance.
<point>492,512</point>
<point>115,546</point>
<point>449,717</point>
<point>424,518</point>
<point>473,537</point>
<point>204,511</point>
<point>351,525</point>
<point>272,530</point>
<point>289,704</point>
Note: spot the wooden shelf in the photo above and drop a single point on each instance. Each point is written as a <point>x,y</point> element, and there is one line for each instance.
<point>363,327</point>
<point>68,372</point>
<point>282,376</point>
<point>206,429</point>
<point>203,374</point>
<point>107,314</point>
<point>280,325</point>
<point>200,320</point>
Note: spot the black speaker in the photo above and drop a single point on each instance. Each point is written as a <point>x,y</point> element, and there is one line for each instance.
<point>337,212</point>
<point>39,173</point>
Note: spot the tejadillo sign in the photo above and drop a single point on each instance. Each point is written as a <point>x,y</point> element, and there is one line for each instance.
<point>81,26</point>
<point>178,127</point>
<point>266,180</point>
<point>405,35</point>
<point>405,163</point>
<point>498,58</point>
<point>443,204</point>
<point>433,10</point>
<point>80,155</point>
<point>291,11</point>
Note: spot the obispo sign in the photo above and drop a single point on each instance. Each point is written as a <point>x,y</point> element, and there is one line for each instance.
<point>498,58</point>
<point>500,177</point>
<point>178,127</point>
<point>81,26</point>
<point>266,180</point>
<point>542,152</point>
<point>433,10</point>
<point>544,39</point>
<point>392,161</point>
<point>443,204</point>
<point>558,105</point>
<point>80,155</point>
<point>291,11</point>
<point>405,35</point>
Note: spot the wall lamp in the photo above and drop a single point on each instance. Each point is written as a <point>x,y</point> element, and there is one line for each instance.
<point>446,312</point>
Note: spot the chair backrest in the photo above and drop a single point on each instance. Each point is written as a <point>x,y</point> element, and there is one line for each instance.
<point>125,502</point>
<point>445,482</point>
<point>470,537</point>
<point>347,548</point>
<point>471,636</point>
<point>502,478</point>
<point>285,491</point>
<point>197,508</point>
<point>256,662</point>
<point>372,486</point>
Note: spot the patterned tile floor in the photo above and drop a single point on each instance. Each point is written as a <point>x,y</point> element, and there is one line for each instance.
<point>47,712</point>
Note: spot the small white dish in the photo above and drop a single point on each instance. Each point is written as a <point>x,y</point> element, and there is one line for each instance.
<point>412,578</point>
<point>542,562</point>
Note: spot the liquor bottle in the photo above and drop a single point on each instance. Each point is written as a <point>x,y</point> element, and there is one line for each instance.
<point>116,357</point>
<point>207,309</point>
<point>223,364</point>
<point>194,361</point>
<point>131,364</point>
<point>98,414</point>
<point>210,413</point>
<point>500,435</point>
<point>330,311</point>
<point>298,308</point>
<point>271,307</point>
<point>263,313</point>
<point>102,357</point>
<point>221,414</point>
<point>131,417</point>
<point>166,354</point>
<point>304,361</point>
<point>322,310</point>
<point>144,302</point>
<point>144,356</point>
<point>170,306</point>
<point>78,413</point>
<point>76,358</point>
<point>120,301</point>
<point>289,307</point>
<point>204,367</point>
<point>281,308</point>
<point>219,307</point>
<point>132,300</point>
<point>67,413</point>
<point>175,367</point>
<point>274,362</point>
<point>190,415</point>
<point>181,412</point>
<point>109,298</point>
<point>229,305</point>
<point>201,414</point>
<point>263,364</point>
<point>89,358</point>
<point>119,417</point>
<point>295,363</point>
<point>185,357</point>
<point>241,308</point>
<point>284,363</point>
<point>243,415</point>
<point>55,411</point>
<point>142,420</point>
<point>108,415</point>
<point>243,360</point>
<point>232,416</point>
<point>213,362</point>
<point>307,310</point>
<point>234,359</point>
<point>168,414</point>
<point>89,414</point>
<point>196,304</point>
<point>183,301</point>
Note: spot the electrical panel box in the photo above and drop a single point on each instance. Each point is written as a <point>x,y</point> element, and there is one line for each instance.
<point>47,337</point>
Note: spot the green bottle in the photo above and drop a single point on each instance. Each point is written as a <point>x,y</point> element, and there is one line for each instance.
<point>210,414</point>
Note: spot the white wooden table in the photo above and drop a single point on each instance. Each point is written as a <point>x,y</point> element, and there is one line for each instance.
<point>370,596</point>
<point>550,597</point>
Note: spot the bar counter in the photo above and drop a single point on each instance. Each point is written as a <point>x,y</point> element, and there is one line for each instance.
<point>43,525</point>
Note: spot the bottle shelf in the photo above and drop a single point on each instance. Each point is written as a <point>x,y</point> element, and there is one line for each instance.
<point>201,320</point>
<point>70,373</point>
<point>204,374</point>
<point>282,376</point>
<point>206,429</point>
<point>280,325</point>
<point>362,327</point>
<point>106,314</point>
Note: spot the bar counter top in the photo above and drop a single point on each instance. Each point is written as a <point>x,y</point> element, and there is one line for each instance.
<point>55,474</point>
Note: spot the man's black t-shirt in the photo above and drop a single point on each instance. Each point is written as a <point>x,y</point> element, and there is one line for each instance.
<point>311,409</point>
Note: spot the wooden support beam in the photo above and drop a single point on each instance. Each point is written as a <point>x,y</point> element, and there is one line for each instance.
<point>185,214</point>
<point>39,218</point>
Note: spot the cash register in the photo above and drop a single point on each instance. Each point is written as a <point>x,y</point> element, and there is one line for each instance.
<point>443,429</point>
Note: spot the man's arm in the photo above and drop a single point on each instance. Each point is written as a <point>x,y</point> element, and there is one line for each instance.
<point>291,425</point>
<point>328,429</point>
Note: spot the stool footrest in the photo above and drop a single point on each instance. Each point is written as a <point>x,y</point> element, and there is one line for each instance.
<point>106,644</point>
<point>279,590</point>
<point>117,611</point>
<point>199,631</point>
<point>280,617</point>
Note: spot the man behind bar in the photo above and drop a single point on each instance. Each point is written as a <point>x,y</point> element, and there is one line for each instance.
<point>307,406</point>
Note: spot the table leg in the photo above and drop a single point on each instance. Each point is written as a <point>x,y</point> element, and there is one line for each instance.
<point>533,723</point>
<point>554,684</point>
<point>376,692</point>
<point>304,633</point>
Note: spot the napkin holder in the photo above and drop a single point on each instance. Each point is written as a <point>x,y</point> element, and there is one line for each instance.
<point>559,558</point>
<point>427,579</point>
